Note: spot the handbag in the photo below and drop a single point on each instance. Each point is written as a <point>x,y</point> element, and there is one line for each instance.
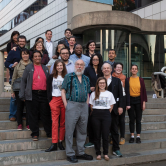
<point>16,84</point>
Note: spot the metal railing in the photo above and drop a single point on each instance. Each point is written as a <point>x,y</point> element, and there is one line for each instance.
<point>163,74</point>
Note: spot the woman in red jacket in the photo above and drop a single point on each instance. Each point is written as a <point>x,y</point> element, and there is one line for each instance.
<point>138,97</point>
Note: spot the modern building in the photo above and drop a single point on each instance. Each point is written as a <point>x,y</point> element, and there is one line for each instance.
<point>136,29</point>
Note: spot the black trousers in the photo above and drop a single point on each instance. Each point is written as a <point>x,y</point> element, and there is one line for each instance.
<point>90,128</point>
<point>122,119</point>
<point>39,105</point>
<point>114,131</point>
<point>101,119</point>
<point>20,109</point>
<point>135,113</point>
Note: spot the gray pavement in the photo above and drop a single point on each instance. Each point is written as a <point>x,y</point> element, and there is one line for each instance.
<point>161,163</point>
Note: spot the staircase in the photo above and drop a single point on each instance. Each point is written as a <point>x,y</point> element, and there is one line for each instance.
<point>17,147</point>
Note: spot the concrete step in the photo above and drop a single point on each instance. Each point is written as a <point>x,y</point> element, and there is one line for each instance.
<point>4,108</point>
<point>149,126</point>
<point>4,115</point>
<point>7,124</point>
<point>150,118</point>
<point>24,144</point>
<point>15,134</point>
<point>158,100</point>
<point>58,158</point>
<point>156,105</point>
<point>4,101</point>
<point>154,112</point>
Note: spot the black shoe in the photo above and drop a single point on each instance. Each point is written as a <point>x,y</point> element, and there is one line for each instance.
<point>53,147</point>
<point>131,140</point>
<point>138,140</point>
<point>85,157</point>
<point>72,159</point>
<point>60,145</point>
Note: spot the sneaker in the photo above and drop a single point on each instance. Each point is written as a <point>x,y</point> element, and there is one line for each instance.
<point>131,140</point>
<point>28,127</point>
<point>117,153</point>
<point>89,145</point>
<point>122,141</point>
<point>35,138</point>
<point>19,127</point>
<point>138,140</point>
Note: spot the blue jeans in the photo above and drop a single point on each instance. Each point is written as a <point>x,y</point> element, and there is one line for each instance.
<point>13,108</point>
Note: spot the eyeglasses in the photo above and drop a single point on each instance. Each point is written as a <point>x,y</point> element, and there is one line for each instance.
<point>95,60</point>
<point>80,65</point>
<point>102,83</point>
<point>65,53</point>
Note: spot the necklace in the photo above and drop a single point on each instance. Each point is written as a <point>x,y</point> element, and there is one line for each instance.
<point>38,73</point>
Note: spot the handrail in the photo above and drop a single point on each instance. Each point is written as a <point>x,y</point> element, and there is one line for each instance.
<point>163,74</point>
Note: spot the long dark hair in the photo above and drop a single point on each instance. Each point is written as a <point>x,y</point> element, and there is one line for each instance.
<point>38,39</point>
<point>13,34</point>
<point>89,42</point>
<point>55,72</point>
<point>37,44</point>
<point>97,92</point>
<point>56,51</point>
<point>99,71</point>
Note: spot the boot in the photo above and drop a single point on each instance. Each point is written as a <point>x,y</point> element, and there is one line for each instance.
<point>53,147</point>
<point>60,145</point>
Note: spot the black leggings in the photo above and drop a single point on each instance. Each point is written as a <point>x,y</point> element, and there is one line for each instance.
<point>101,120</point>
<point>135,113</point>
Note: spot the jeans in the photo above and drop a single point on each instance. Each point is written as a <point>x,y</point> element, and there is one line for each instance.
<point>39,105</point>
<point>13,108</point>
<point>101,120</point>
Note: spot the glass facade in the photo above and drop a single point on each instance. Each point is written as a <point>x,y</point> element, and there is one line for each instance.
<point>4,3</point>
<point>34,8</point>
<point>145,50</point>
<point>128,5</point>
<point>110,2</point>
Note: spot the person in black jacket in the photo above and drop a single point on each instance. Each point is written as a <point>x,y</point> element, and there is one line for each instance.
<point>114,86</point>
<point>13,41</point>
<point>118,68</point>
<point>93,72</point>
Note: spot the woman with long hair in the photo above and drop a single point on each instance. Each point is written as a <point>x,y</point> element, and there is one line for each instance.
<point>13,41</point>
<point>18,72</point>
<point>118,68</point>
<point>54,84</point>
<point>93,72</point>
<point>138,97</point>
<point>101,103</point>
<point>39,46</point>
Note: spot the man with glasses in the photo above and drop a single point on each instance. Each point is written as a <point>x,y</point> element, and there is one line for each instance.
<point>12,60</point>
<point>78,55</point>
<point>76,89</point>
<point>64,54</point>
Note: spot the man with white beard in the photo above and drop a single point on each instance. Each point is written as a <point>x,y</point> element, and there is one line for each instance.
<point>75,90</point>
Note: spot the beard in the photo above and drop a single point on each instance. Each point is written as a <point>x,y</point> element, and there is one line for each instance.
<point>79,73</point>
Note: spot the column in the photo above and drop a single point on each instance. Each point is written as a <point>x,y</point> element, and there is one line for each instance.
<point>1,72</point>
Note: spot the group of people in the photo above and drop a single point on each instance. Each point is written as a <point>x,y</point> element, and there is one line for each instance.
<point>73,93</point>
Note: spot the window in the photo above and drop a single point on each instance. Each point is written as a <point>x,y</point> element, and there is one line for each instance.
<point>4,3</point>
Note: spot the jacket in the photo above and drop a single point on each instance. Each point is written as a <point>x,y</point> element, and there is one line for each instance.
<point>10,45</point>
<point>127,92</point>
<point>91,74</point>
<point>49,87</point>
<point>13,56</point>
<point>116,88</point>
<point>26,82</point>
<point>53,47</point>
<point>45,58</point>
<point>18,72</point>
<point>143,91</point>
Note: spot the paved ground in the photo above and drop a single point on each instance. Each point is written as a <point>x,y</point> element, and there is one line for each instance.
<point>162,163</point>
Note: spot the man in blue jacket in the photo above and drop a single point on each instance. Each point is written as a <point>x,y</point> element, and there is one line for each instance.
<point>12,60</point>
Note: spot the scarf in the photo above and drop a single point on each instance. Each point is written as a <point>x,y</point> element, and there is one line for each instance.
<point>121,77</point>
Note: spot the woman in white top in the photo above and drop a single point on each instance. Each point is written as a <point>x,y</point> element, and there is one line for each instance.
<point>101,103</point>
<point>54,84</point>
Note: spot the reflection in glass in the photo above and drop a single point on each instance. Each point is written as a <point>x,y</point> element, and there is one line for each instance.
<point>34,8</point>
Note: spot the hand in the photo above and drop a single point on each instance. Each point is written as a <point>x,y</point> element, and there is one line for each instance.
<point>65,105</point>
<point>143,106</point>
<point>13,95</point>
<point>120,110</point>
<point>15,64</point>
<point>128,107</point>
<point>92,89</point>
<point>55,57</point>
<point>14,48</point>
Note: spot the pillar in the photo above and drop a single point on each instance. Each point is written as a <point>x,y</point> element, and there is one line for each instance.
<point>1,72</point>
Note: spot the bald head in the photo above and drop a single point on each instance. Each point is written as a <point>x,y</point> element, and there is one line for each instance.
<point>79,67</point>
<point>78,50</point>
<point>106,69</point>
